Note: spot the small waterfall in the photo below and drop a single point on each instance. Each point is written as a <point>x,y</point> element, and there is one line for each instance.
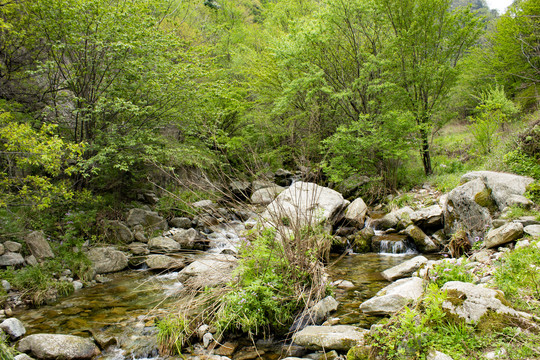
<point>393,244</point>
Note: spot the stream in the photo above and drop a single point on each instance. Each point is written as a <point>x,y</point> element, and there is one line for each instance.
<point>119,314</point>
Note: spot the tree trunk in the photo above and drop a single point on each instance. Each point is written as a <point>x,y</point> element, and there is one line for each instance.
<point>424,151</point>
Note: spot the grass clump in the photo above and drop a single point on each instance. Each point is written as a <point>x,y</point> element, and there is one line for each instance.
<point>450,271</point>
<point>518,276</point>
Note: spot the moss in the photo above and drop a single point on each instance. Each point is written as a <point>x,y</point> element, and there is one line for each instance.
<point>359,353</point>
<point>500,297</point>
<point>484,199</point>
<point>362,241</point>
<point>455,297</point>
<point>493,322</point>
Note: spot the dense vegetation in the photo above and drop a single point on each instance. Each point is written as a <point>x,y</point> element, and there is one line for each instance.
<point>102,98</point>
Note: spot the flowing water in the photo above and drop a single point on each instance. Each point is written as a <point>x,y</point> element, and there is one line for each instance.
<point>116,313</point>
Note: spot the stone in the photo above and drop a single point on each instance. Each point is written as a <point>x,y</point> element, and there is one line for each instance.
<point>240,190</point>
<point>393,297</point>
<point>266,195</point>
<point>2,249</point>
<point>12,246</point>
<point>57,346</point>
<point>503,235</point>
<point>138,248</point>
<point>147,219</point>
<point>6,285</point>
<point>437,355</point>
<point>391,220</point>
<point>227,349</point>
<point>316,314</point>
<point>261,184</point>
<point>502,185</point>
<point>356,212</point>
<point>77,285</point>
<point>470,302</point>
<point>180,222</point>
<point>107,260</point>
<point>22,357</point>
<point>343,284</point>
<point>11,259</point>
<point>208,338</point>
<point>151,198</point>
<point>163,244</point>
<point>404,269</point>
<point>283,177</point>
<point>430,217</point>
<point>204,205</point>
<point>528,220</point>
<point>483,256</point>
<point>519,200</point>
<point>13,327</point>
<point>422,242</point>
<point>210,270</point>
<point>117,231</point>
<point>468,207</point>
<point>31,260</point>
<point>161,262</point>
<point>362,242</point>
<point>337,337</point>
<point>305,204</point>
<point>186,238</point>
<point>532,230</point>
<point>39,246</point>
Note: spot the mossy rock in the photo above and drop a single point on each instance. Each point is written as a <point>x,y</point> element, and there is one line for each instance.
<point>493,322</point>
<point>362,241</point>
<point>359,352</point>
<point>456,298</point>
<point>484,199</point>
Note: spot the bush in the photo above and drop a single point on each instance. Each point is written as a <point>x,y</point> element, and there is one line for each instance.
<point>450,271</point>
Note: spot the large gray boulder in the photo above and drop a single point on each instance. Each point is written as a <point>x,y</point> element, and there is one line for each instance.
<point>305,204</point>
<point>56,346</point>
<point>11,259</point>
<point>393,297</point>
<point>266,195</point>
<point>404,269</point>
<point>422,242</point>
<point>149,220</point>
<point>13,327</point>
<point>210,270</point>
<point>186,238</point>
<point>392,219</point>
<point>504,234</point>
<point>39,246</point>
<point>12,246</point>
<point>338,337</point>
<point>532,230</point>
<point>118,231</point>
<point>430,217</point>
<point>471,302</point>
<point>316,314</point>
<point>107,260</point>
<point>356,212</point>
<point>502,185</point>
<point>162,262</point>
<point>180,222</point>
<point>163,244</point>
<point>468,207</point>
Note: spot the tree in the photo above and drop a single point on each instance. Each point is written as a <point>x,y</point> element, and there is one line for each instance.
<point>427,41</point>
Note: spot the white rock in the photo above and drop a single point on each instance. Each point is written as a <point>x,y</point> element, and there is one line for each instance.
<point>532,230</point>
<point>504,234</point>
<point>338,337</point>
<point>13,327</point>
<point>404,269</point>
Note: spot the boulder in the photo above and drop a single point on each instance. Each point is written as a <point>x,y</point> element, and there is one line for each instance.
<point>261,184</point>
<point>266,195</point>
<point>2,249</point>
<point>13,327</point>
<point>519,200</point>
<point>163,244</point>
<point>393,297</point>
<point>362,242</point>
<point>56,346</point>
<point>316,314</point>
<point>161,262</point>
<point>107,260</point>
<point>391,220</point>
<point>428,218</point>
<point>305,204</point>
<point>210,270</point>
<point>147,219</point>
<point>356,212</point>
<point>404,269</point>
<point>11,259</point>
<point>422,242</point>
<point>437,355</point>
<point>12,246</point>
<point>532,230</point>
<point>471,302</point>
<point>186,238</point>
<point>502,185</point>
<point>240,190</point>
<point>180,222</point>
<point>283,177</point>
<point>137,248</point>
<point>504,234</point>
<point>117,231</point>
<point>39,246</point>
<point>22,357</point>
<point>337,337</point>
<point>468,207</point>
<point>206,205</point>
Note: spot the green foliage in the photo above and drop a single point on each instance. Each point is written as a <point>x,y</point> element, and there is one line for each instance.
<point>450,271</point>
<point>518,275</point>
<point>38,283</point>
<point>264,298</point>
<point>483,128</point>
<point>5,352</point>
<point>516,211</point>
<point>178,203</point>
<point>533,192</point>
<point>522,164</point>
<point>173,333</point>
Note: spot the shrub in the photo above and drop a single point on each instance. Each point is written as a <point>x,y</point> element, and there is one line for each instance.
<point>450,271</point>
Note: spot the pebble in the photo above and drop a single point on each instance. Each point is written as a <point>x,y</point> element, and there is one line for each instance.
<point>6,285</point>
<point>77,285</point>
